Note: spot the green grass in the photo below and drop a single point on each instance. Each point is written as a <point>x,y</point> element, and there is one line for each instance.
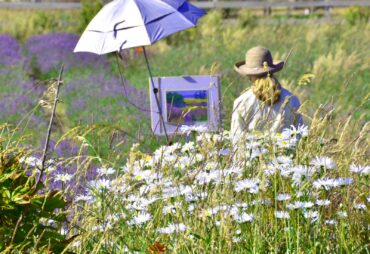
<point>326,50</point>
<point>338,57</point>
<point>336,54</point>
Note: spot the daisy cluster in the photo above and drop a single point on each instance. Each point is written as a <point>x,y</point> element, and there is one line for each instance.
<point>183,190</point>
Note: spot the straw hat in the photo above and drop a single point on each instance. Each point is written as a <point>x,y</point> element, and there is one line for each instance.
<point>258,61</point>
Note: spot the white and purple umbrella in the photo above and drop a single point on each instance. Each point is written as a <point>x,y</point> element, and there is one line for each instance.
<point>123,24</point>
<point>123,34</point>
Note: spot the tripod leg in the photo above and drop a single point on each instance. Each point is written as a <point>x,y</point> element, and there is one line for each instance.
<point>155,91</point>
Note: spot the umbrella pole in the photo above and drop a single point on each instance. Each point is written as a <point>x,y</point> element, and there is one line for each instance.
<point>155,91</point>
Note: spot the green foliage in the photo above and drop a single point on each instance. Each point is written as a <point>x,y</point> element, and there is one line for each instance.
<point>246,18</point>
<point>182,37</point>
<point>355,15</point>
<point>89,9</point>
<point>34,72</point>
<point>26,210</point>
<point>339,75</point>
<point>44,22</point>
<point>25,23</point>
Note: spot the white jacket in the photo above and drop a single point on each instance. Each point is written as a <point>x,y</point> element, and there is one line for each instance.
<point>249,113</point>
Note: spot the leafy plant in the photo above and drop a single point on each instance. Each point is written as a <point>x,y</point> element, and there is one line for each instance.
<point>355,15</point>
<point>89,10</point>
<point>246,18</point>
<point>43,21</point>
<point>30,215</point>
<point>34,72</point>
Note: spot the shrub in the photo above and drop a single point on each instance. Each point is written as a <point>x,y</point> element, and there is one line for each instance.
<point>46,52</point>
<point>89,9</point>
<point>31,216</point>
<point>43,22</point>
<point>355,15</point>
<point>246,18</point>
<point>9,50</point>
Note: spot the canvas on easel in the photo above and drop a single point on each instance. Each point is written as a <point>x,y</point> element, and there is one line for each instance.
<point>186,100</point>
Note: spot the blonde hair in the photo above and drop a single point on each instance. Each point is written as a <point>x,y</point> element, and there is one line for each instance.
<point>267,89</point>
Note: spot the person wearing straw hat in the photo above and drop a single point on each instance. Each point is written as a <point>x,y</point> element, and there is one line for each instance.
<point>266,106</point>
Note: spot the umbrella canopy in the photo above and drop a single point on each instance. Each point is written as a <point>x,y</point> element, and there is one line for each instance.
<point>130,13</point>
<point>121,36</point>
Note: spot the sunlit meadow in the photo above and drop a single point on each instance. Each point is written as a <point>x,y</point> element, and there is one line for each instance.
<point>110,186</point>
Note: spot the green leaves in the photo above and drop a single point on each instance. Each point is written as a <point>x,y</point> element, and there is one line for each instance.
<point>27,210</point>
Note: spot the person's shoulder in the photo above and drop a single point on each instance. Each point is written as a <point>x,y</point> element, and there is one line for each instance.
<point>292,99</point>
<point>246,95</point>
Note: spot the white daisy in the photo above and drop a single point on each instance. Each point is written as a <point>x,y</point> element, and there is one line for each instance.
<point>359,169</point>
<point>172,228</point>
<point>251,184</point>
<point>329,183</point>
<point>31,161</point>
<point>64,178</point>
<point>270,169</point>
<point>207,177</point>
<point>312,215</point>
<point>187,129</point>
<point>302,173</point>
<point>199,157</point>
<point>342,214</point>
<point>191,208</point>
<point>86,198</point>
<point>324,161</point>
<point>284,160</point>
<point>170,208</point>
<point>100,184</point>
<point>75,244</point>
<point>360,206</point>
<point>105,171</point>
<point>224,152</point>
<point>323,202</point>
<point>330,222</point>
<point>236,239</point>
<point>300,205</point>
<point>287,143</point>
<point>301,131</point>
<point>283,197</point>
<point>188,147</point>
<point>141,218</point>
<point>146,175</point>
<point>282,215</point>
<point>244,217</point>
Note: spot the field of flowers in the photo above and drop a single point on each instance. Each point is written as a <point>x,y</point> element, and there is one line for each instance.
<point>110,186</point>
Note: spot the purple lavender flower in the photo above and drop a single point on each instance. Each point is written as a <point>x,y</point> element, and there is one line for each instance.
<point>14,105</point>
<point>9,50</point>
<point>86,93</point>
<point>66,148</point>
<point>48,51</point>
<point>18,98</point>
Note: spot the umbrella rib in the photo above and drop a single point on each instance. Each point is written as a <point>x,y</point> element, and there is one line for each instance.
<point>121,47</point>
<point>155,20</point>
<point>119,29</point>
<point>115,28</point>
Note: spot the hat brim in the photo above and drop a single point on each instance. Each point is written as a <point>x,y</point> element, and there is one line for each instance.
<point>242,69</point>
